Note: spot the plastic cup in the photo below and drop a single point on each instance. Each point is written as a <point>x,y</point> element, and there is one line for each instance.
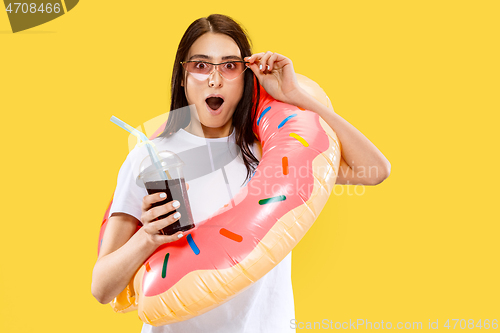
<point>175,188</point>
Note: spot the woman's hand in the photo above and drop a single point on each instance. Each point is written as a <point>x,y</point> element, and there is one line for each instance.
<point>150,214</point>
<point>277,76</point>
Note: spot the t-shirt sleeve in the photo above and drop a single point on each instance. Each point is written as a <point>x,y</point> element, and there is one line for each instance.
<point>128,195</point>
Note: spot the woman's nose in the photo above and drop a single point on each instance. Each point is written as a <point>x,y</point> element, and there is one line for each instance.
<point>215,79</point>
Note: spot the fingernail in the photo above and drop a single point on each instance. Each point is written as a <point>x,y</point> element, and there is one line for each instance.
<point>163,195</point>
<point>180,235</point>
<point>260,67</point>
<point>176,215</point>
<point>176,204</point>
<point>268,67</point>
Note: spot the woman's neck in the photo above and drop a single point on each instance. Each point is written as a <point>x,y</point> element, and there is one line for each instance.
<point>209,132</point>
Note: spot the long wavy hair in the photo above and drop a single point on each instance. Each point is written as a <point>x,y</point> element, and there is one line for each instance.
<point>244,115</point>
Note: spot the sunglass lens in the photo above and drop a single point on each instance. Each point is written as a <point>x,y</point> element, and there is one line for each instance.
<point>232,70</point>
<point>199,67</point>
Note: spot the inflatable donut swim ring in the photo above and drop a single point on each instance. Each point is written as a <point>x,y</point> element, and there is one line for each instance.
<point>238,245</point>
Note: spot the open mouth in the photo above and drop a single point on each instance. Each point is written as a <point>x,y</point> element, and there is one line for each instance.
<point>214,103</point>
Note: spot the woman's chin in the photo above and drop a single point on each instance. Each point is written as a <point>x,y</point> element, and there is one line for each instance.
<point>214,129</point>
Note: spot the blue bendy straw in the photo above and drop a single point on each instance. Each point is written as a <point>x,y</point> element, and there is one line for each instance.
<point>142,137</point>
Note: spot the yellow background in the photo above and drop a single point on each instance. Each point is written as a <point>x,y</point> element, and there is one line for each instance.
<point>419,79</point>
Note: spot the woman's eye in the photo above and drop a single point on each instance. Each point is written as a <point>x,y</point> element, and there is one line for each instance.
<point>200,65</point>
<point>230,65</point>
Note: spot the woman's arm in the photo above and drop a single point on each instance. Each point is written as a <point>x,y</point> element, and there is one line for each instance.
<point>362,163</point>
<point>124,250</point>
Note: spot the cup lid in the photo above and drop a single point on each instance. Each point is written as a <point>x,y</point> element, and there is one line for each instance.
<point>169,161</point>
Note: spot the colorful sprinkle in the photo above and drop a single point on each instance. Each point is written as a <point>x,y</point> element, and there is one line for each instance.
<point>271,200</point>
<point>148,268</point>
<point>286,119</point>
<point>301,108</point>
<point>164,270</point>
<point>301,139</point>
<point>191,242</point>
<point>230,235</point>
<point>262,114</point>
<point>284,164</point>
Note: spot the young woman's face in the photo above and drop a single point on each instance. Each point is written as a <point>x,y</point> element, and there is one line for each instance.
<point>214,48</point>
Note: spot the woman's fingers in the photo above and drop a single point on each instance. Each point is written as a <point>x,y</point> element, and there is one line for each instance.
<point>158,211</point>
<point>272,60</point>
<point>265,65</point>
<point>266,61</point>
<point>153,228</point>
<point>149,218</point>
<point>254,57</point>
<point>149,200</point>
<point>262,60</point>
<point>169,238</point>
<point>150,213</point>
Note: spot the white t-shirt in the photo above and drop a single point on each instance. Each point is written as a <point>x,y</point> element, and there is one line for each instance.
<point>265,306</point>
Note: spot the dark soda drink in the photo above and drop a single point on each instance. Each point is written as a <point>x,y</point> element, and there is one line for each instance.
<point>175,190</point>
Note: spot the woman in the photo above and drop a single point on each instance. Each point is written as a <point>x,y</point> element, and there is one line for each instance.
<point>214,75</point>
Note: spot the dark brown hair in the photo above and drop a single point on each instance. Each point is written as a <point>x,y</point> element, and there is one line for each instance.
<point>243,116</point>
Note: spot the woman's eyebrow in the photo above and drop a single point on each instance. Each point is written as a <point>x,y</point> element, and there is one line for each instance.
<point>204,56</point>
